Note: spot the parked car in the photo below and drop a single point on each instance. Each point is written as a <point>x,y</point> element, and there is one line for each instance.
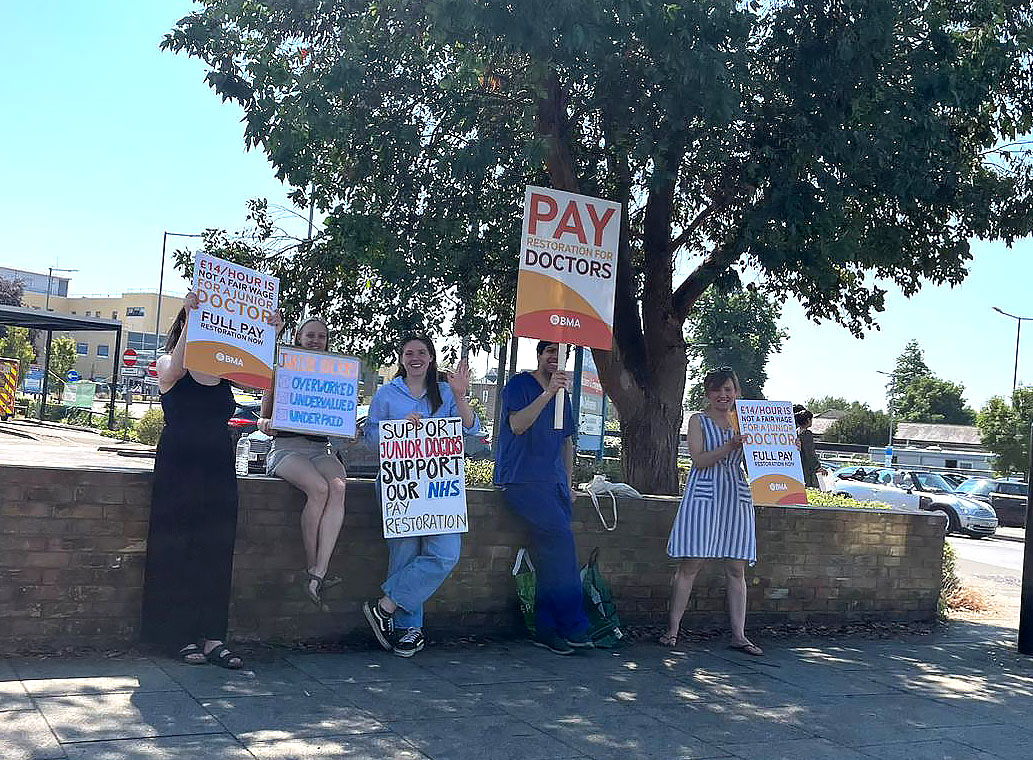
<point>1007,497</point>
<point>245,419</point>
<point>913,489</point>
<point>359,459</point>
<point>954,479</point>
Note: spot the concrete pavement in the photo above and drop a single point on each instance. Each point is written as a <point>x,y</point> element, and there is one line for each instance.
<point>965,694</point>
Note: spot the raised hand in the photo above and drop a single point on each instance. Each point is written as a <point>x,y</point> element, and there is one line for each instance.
<point>276,321</point>
<point>459,381</point>
<point>191,302</point>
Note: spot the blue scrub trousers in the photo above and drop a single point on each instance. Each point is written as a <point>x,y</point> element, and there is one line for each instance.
<point>546,509</point>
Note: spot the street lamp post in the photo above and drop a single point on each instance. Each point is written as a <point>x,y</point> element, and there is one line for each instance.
<point>46,350</point>
<point>1018,332</point>
<point>889,408</point>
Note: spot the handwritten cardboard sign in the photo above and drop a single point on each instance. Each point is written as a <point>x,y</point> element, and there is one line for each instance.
<point>770,448</point>
<point>316,393</point>
<point>568,268</point>
<point>229,334</point>
<point>422,477</point>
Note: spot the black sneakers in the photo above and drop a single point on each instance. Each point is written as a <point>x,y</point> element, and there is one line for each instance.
<point>554,643</point>
<point>381,623</point>
<point>409,643</point>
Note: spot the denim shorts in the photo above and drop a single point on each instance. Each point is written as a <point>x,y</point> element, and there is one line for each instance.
<point>284,447</point>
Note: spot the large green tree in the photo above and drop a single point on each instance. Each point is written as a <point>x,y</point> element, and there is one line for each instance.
<point>826,146</point>
<point>62,359</point>
<point>735,327</point>
<point>915,394</point>
<point>910,366</point>
<point>860,426</point>
<point>930,399</point>
<point>1005,429</point>
<point>16,343</point>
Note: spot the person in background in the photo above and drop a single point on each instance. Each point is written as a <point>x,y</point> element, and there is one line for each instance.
<point>193,524</point>
<point>716,518</point>
<point>417,565</point>
<point>306,463</point>
<point>534,464</point>
<point>811,464</point>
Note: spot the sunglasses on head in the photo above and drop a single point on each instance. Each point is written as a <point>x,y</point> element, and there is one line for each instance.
<point>719,369</point>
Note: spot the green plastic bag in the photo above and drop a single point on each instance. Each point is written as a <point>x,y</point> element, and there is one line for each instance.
<point>524,575</point>
<point>605,626</point>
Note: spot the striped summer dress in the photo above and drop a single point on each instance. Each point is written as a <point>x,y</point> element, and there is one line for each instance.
<point>716,517</point>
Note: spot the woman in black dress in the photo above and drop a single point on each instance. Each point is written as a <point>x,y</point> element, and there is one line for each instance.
<point>193,512</point>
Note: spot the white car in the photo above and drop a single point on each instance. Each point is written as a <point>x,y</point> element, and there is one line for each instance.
<point>914,490</point>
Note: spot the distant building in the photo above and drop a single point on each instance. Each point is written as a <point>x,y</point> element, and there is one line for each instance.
<point>143,329</point>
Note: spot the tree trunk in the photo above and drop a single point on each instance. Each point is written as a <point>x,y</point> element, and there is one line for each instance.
<point>650,452</point>
<point>650,411</point>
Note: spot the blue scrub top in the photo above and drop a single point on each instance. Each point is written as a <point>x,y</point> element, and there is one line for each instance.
<point>536,455</point>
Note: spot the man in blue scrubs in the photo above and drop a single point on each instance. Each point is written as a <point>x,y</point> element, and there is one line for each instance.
<point>533,467</point>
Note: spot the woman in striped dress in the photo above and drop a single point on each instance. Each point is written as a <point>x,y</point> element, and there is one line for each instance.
<point>715,519</point>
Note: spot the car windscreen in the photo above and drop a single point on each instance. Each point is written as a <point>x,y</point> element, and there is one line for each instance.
<point>930,481</point>
<point>976,487</point>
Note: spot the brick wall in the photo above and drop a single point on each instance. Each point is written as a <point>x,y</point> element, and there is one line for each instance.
<point>72,544</point>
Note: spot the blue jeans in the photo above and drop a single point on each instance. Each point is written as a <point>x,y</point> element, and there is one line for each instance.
<point>417,567</point>
<point>545,508</point>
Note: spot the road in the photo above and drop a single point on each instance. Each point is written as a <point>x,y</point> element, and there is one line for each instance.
<point>25,443</point>
<point>993,556</point>
<point>992,567</point>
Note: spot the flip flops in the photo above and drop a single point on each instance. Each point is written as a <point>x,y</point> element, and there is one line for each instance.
<point>192,654</point>
<point>667,640</point>
<point>748,648</point>
<point>315,595</point>
<point>224,657</point>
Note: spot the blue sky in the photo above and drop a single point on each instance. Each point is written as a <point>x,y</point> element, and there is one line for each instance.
<point>109,141</point>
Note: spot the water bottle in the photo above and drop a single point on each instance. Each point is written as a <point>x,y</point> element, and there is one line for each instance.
<point>243,456</point>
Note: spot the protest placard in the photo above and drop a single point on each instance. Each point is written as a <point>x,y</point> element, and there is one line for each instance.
<point>422,477</point>
<point>770,448</point>
<point>316,392</point>
<point>229,334</point>
<point>568,268</point>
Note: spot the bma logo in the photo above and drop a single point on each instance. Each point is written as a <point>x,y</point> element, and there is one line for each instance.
<point>227,359</point>
<point>778,487</point>
<point>559,319</point>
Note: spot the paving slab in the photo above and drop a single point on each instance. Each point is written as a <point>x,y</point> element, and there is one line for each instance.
<point>56,676</point>
<point>1008,741</point>
<point>211,747</point>
<point>480,667</point>
<point>358,667</point>
<point>798,749</point>
<point>416,700</point>
<point>727,723</point>
<point>207,682</point>
<point>24,735</point>
<point>125,715</point>
<point>629,735</point>
<point>362,747</point>
<point>497,737</point>
<point>939,749</point>
<point>12,693</point>
<point>263,719</point>
<point>542,701</point>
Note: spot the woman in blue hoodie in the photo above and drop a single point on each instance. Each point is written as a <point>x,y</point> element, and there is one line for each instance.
<point>418,565</point>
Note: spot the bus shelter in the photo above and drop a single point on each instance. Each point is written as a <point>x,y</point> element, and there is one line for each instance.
<point>49,322</point>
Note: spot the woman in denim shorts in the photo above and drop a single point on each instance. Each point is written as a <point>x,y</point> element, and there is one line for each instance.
<point>305,462</point>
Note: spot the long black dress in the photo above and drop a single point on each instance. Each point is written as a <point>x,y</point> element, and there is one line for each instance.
<point>193,518</point>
